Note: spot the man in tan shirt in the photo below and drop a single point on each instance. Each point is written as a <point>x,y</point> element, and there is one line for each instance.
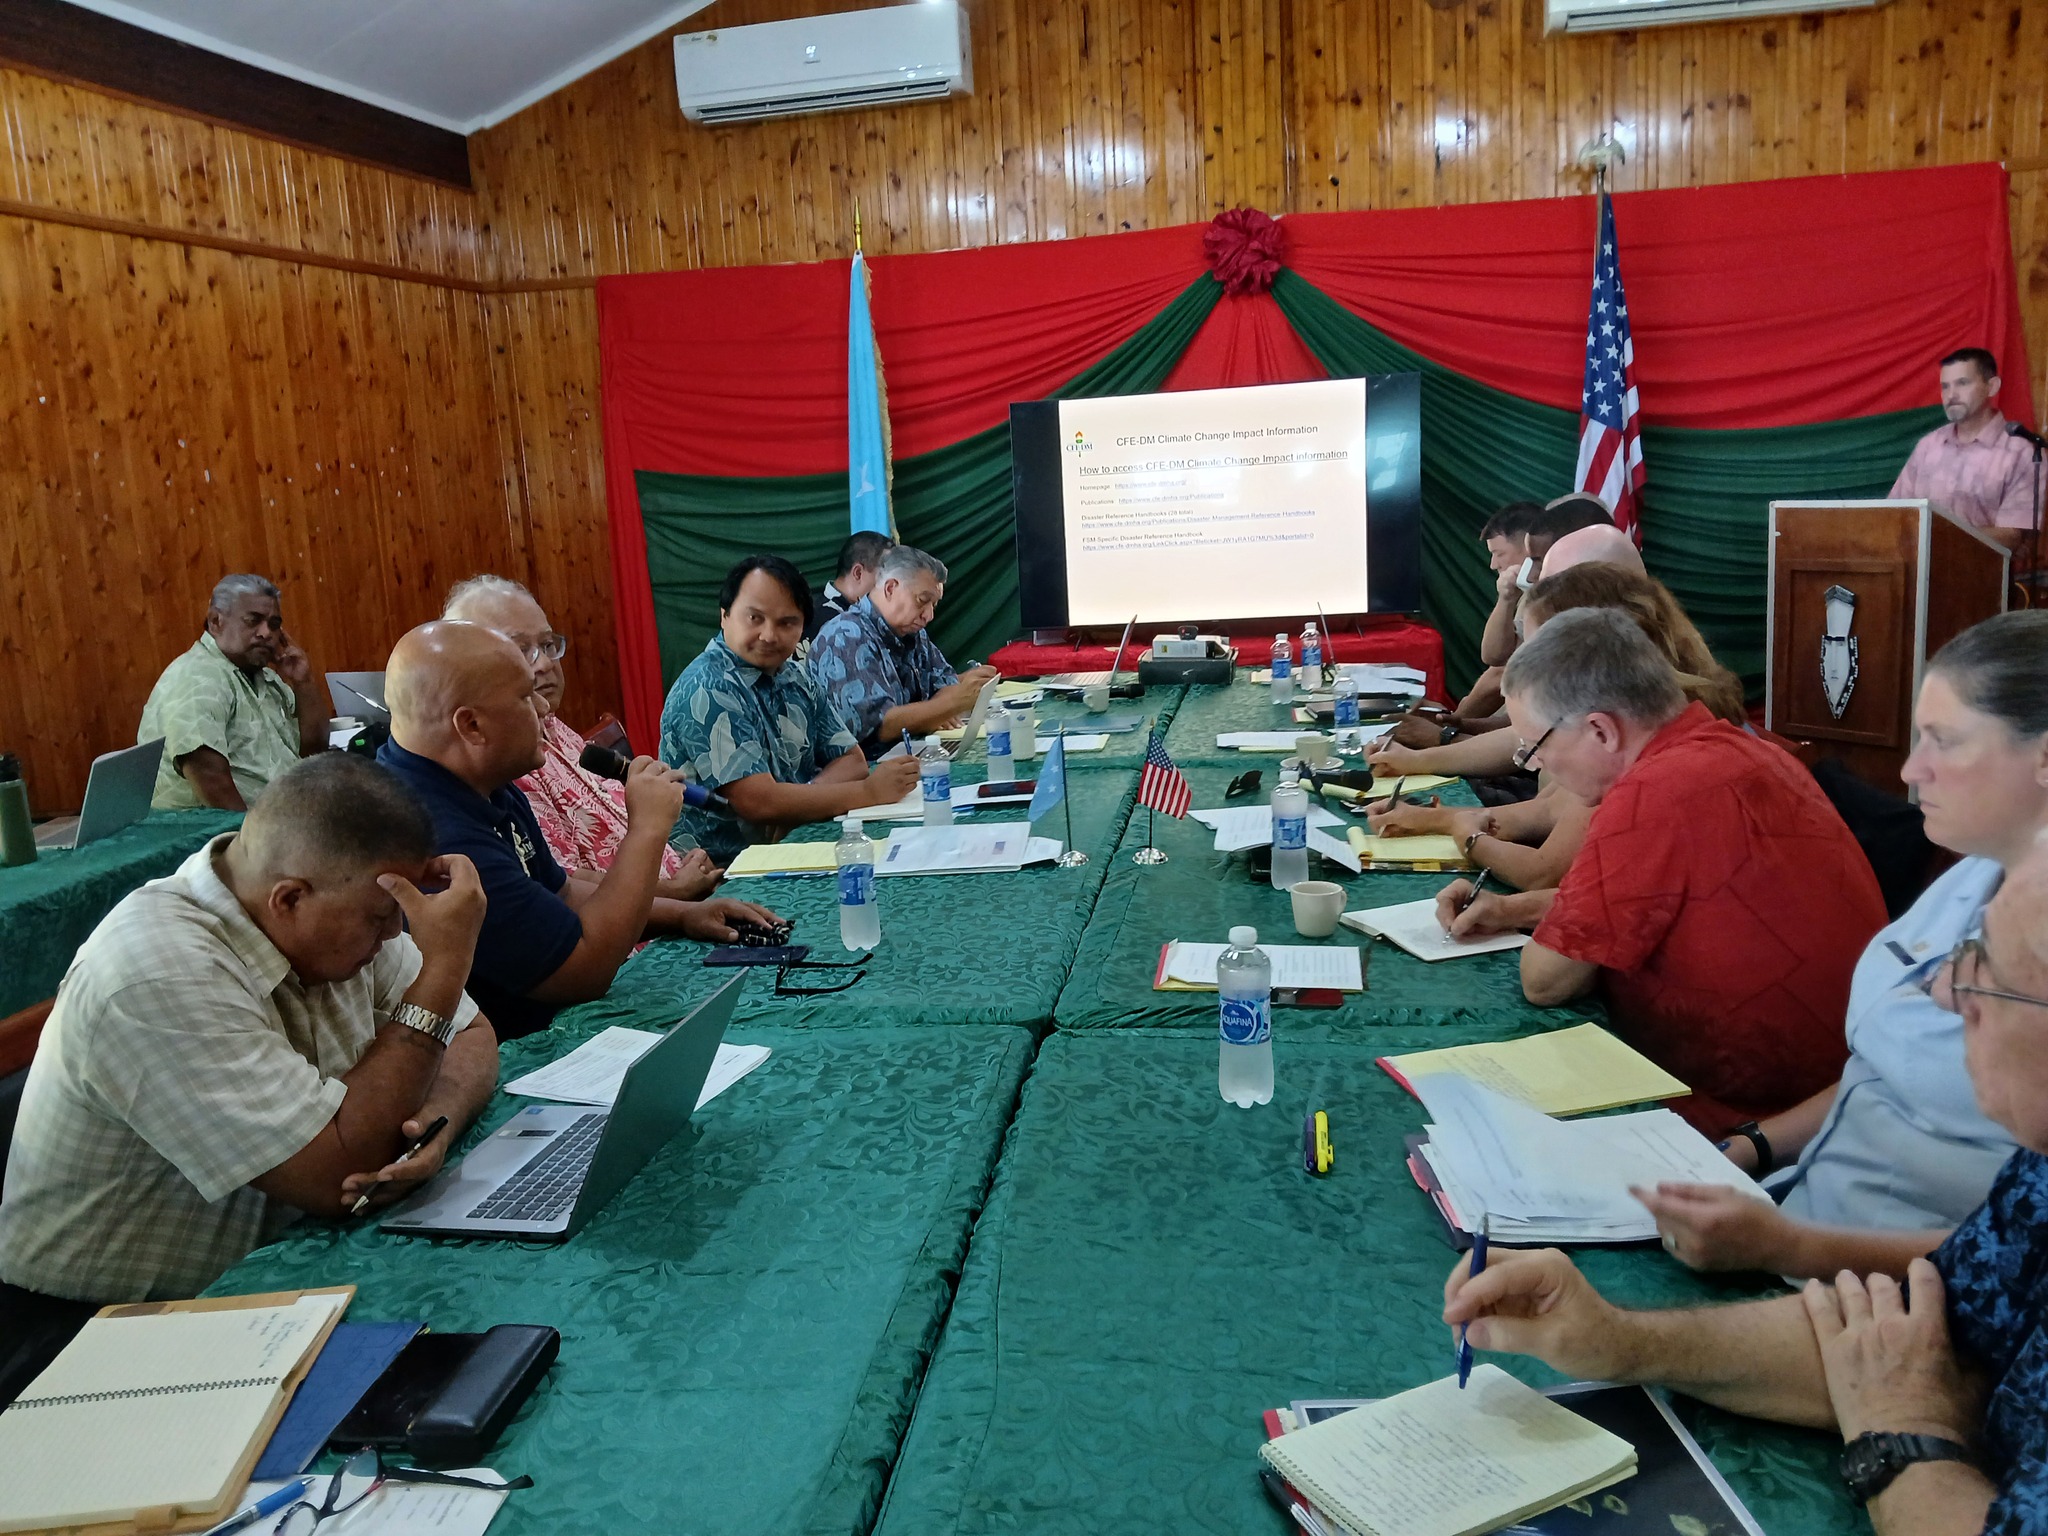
<point>251,1038</point>
<point>1970,468</point>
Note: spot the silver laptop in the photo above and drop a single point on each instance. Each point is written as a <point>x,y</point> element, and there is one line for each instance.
<point>359,694</point>
<point>1072,680</point>
<point>117,795</point>
<point>984,701</point>
<point>552,1167</point>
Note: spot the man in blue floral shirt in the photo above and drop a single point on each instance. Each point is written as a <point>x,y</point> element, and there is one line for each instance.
<point>745,720</point>
<point>884,673</point>
<point>1940,1387</point>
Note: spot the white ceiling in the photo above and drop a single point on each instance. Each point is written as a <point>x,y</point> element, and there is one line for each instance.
<point>458,64</point>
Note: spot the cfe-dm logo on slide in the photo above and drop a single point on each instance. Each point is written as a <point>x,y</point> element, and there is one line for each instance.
<point>1080,444</point>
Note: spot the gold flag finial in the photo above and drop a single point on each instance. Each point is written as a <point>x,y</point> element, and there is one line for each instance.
<point>856,227</point>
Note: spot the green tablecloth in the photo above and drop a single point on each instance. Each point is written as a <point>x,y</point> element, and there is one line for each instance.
<point>745,1326</point>
<point>1243,705</point>
<point>1154,1269</point>
<point>1199,894</point>
<point>975,949</point>
<point>48,908</point>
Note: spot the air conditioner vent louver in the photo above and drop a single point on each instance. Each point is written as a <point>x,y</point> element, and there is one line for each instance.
<point>1617,15</point>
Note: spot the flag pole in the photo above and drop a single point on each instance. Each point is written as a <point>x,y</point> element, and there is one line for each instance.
<point>1073,858</point>
<point>1148,854</point>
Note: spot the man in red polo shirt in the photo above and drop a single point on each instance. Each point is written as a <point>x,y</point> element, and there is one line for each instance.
<point>1719,900</point>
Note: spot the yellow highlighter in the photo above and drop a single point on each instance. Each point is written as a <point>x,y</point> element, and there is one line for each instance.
<point>1316,1155</point>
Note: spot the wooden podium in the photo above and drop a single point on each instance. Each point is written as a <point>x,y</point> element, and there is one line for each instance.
<point>1861,594</point>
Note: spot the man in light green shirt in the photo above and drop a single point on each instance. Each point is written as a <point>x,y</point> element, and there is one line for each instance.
<point>237,709</point>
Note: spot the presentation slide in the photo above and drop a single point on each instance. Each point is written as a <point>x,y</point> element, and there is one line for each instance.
<point>1219,504</point>
<point>1229,496</point>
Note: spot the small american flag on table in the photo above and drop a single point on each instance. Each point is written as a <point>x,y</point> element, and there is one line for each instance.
<point>1162,787</point>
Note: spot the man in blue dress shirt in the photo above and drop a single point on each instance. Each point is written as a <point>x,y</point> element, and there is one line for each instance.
<point>885,675</point>
<point>1940,1387</point>
<point>464,725</point>
<point>747,720</point>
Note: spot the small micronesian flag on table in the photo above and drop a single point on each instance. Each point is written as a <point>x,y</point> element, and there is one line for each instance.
<point>1610,442</point>
<point>1162,787</point>
<point>1052,780</point>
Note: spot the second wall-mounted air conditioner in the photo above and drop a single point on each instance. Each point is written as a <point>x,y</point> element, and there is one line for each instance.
<point>830,63</point>
<point>1614,15</point>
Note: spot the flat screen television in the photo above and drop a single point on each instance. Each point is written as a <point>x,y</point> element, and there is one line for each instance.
<point>1220,504</point>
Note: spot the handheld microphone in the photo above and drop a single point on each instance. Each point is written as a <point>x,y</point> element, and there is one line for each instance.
<point>607,764</point>
<point>2025,433</point>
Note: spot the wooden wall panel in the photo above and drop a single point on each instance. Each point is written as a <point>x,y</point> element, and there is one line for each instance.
<point>172,411</point>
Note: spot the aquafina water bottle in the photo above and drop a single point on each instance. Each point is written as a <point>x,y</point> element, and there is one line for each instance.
<point>935,778</point>
<point>1290,832</point>
<point>1002,766</point>
<point>1283,670</point>
<point>1311,657</point>
<point>1347,699</point>
<point>860,917</point>
<point>1244,1044</point>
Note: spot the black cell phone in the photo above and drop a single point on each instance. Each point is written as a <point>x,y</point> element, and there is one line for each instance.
<point>742,954</point>
<point>384,1414</point>
<point>1006,787</point>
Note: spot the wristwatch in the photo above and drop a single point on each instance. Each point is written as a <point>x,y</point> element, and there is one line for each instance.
<point>1446,735</point>
<point>1871,1461</point>
<point>1766,1159</point>
<point>426,1021</point>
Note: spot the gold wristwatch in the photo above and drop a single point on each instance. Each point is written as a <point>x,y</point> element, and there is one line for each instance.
<point>426,1021</point>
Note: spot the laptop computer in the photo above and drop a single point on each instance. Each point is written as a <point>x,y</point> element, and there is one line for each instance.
<point>984,701</point>
<point>552,1167</point>
<point>1075,680</point>
<point>360,694</point>
<point>117,795</point>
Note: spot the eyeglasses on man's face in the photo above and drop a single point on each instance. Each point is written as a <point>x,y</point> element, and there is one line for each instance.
<point>1963,974</point>
<point>1525,751</point>
<point>533,647</point>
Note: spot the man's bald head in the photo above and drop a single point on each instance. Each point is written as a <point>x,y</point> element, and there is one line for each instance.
<point>2004,1004</point>
<point>462,695</point>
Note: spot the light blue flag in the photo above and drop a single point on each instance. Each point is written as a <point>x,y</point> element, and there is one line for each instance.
<point>1052,780</point>
<point>867,416</point>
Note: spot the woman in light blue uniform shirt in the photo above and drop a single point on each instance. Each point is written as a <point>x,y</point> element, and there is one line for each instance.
<point>1874,1172</point>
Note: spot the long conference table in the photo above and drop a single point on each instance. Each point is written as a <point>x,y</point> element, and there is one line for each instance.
<point>979,1249</point>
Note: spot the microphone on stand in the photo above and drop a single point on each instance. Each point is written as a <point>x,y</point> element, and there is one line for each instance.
<point>2025,433</point>
<point>607,764</point>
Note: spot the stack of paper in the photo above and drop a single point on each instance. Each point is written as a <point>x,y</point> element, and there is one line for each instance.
<point>1441,1461</point>
<point>1541,1180</point>
<point>409,1509</point>
<point>1260,741</point>
<point>1414,927</point>
<point>1190,967</point>
<point>1409,784</point>
<point>1239,827</point>
<point>1566,1072</point>
<point>1002,848</point>
<point>816,858</point>
<point>966,797</point>
<point>591,1073</point>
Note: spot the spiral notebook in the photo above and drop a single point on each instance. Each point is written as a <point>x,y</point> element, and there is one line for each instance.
<point>153,1416</point>
<point>1444,1461</point>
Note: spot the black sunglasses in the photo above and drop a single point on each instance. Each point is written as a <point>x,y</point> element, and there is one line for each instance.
<point>1246,783</point>
<point>784,989</point>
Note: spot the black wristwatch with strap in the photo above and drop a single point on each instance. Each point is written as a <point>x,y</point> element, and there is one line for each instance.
<point>1766,1160</point>
<point>1871,1461</point>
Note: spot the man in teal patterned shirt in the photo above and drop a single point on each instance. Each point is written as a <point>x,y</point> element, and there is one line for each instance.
<point>747,721</point>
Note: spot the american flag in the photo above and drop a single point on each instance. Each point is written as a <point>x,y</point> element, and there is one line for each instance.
<point>1162,787</point>
<point>1610,445</point>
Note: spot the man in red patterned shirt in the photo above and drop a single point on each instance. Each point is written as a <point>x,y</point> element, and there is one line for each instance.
<point>1718,901</point>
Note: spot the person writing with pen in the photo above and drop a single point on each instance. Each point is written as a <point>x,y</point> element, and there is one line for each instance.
<point>1939,1386</point>
<point>252,1038</point>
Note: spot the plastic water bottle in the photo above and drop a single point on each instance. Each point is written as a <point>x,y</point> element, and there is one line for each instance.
<point>860,915</point>
<point>1244,1044</point>
<point>1001,765</point>
<point>1023,730</point>
<point>1290,832</point>
<point>1283,670</point>
<point>935,777</point>
<point>1347,699</point>
<point>1311,656</point>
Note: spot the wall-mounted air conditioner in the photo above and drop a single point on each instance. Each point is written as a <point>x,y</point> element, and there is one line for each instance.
<point>825,63</point>
<point>1613,15</point>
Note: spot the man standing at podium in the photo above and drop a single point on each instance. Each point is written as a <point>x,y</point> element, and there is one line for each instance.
<point>1970,468</point>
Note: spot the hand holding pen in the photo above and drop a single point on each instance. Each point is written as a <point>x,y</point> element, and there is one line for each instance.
<point>420,1145</point>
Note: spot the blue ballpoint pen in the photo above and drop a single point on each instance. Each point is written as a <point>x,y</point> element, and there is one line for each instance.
<point>1478,1265</point>
<point>270,1504</point>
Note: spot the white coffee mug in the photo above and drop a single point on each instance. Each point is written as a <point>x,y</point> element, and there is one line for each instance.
<point>1317,906</point>
<point>1096,697</point>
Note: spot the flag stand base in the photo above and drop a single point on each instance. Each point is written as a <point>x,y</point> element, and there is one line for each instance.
<point>1073,858</point>
<point>1149,856</point>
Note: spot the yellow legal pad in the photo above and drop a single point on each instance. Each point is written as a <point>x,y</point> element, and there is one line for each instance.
<point>1430,848</point>
<point>790,858</point>
<point>1567,1072</point>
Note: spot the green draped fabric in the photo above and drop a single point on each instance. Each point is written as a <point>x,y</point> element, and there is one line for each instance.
<point>1706,504</point>
<point>956,499</point>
